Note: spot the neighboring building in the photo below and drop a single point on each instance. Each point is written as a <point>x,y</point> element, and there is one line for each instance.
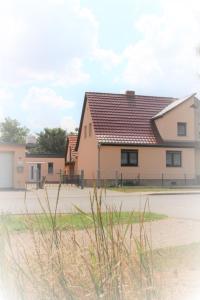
<point>12,166</point>
<point>144,139</point>
<point>71,155</point>
<point>50,166</point>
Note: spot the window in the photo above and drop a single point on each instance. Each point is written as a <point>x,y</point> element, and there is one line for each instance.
<point>129,158</point>
<point>90,129</point>
<point>32,172</point>
<point>181,129</point>
<point>173,159</point>
<point>50,168</point>
<point>85,131</point>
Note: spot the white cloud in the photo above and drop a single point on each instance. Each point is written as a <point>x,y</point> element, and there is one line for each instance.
<point>107,57</point>
<point>44,98</point>
<point>68,123</point>
<point>41,39</point>
<point>165,58</point>
<point>73,74</point>
<point>6,99</point>
<point>43,107</point>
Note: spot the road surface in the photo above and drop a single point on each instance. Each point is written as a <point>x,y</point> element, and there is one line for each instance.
<point>178,206</point>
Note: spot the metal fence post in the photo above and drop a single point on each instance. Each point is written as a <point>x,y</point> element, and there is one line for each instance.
<point>162,179</point>
<point>116,178</point>
<point>82,179</point>
<point>98,178</point>
<point>37,179</point>
<point>185,179</point>
<point>138,178</point>
<point>121,180</point>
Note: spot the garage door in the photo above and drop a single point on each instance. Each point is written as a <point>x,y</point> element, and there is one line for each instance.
<point>6,170</point>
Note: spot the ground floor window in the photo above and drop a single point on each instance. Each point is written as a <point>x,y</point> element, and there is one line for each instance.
<point>50,168</point>
<point>173,159</point>
<point>129,157</point>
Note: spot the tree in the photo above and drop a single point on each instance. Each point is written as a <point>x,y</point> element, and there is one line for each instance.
<point>12,132</point>
<point>51,140</point>
<point>75,131</point>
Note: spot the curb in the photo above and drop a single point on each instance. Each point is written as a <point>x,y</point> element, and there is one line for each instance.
<point>175,193</point>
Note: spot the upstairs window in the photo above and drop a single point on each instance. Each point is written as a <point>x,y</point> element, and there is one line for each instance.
<point>181,129</point>
<point>85,132</point>
<point>90,129</point>
<point>129,158</point>
<point>173,159</point>
<point>50,168</point>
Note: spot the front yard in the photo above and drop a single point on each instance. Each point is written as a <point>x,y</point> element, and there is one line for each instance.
<point>105,254</point>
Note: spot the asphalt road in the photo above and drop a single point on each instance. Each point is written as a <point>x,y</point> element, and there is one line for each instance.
<point>178,206</point>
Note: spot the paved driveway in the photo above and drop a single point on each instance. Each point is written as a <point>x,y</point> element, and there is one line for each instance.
<point>179,206</point>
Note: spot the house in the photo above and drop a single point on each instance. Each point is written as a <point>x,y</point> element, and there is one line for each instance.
<point>18,166</point>
<point>139,139</point>
<point>44,165</point>
<point>12,166</point>
<point>71,155</point>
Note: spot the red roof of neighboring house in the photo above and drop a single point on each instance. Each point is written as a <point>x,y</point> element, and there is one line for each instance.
<point>125,118</point>
<point>71,144</point>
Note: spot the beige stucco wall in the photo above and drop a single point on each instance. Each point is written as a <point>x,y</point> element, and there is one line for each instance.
<point>197,164</point>
<point>167,125</point>
<point>152,163</point>
<point>58,163</point>
<point>87,152</point>
<point>18,152</point>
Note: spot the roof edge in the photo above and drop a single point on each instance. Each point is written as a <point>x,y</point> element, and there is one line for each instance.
<point>12,144</point>
<point>123,94</point>
<point>160,114</point>
<point>43,155</point>
<point>81,122</point>
<point>171,144</point>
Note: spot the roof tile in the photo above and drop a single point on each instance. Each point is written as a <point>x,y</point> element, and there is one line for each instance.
<point>121,119</point>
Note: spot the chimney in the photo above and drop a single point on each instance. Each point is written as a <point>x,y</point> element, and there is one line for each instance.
<point>130,94</point>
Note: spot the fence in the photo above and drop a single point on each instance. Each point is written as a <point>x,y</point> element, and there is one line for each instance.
<point>140,179</point>
<point>120,179</point>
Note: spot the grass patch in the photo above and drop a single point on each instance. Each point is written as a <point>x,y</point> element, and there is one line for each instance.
<point>77,220</point>
<point>137,189</point>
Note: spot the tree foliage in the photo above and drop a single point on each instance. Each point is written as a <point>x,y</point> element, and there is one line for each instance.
<point>12,132</point>
<point>51,140</point>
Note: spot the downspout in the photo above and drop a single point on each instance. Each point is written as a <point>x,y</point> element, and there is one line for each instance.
<point>99,166</point>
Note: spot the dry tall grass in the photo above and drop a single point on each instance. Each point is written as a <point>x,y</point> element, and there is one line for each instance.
<point>104,262</point>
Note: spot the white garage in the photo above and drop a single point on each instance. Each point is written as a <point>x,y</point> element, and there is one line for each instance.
<point>6,169</point>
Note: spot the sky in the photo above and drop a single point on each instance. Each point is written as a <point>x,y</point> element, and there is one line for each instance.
<point>53,51</point>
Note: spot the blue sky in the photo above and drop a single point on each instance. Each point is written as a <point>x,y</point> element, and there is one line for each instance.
<point>52,51</point>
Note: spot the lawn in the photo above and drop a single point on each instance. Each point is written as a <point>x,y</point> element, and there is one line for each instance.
<point>137,189</point>
<point>77,220</point>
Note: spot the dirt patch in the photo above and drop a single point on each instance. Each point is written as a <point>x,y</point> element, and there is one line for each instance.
<point>176,271</point>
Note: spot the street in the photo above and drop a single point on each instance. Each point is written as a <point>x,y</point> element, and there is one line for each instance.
<point>174,205</point>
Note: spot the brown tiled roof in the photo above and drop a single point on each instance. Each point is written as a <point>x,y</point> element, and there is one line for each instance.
<point>71,144</point>
<point>125,118</point>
